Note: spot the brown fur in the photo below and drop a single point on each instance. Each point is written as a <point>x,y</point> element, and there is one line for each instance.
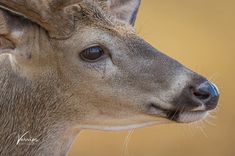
<point>47,90</point>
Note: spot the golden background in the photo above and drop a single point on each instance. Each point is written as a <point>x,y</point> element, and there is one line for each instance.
<point>201,35</point>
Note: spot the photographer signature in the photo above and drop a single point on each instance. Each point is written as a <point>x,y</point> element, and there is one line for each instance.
<point>25,139</point>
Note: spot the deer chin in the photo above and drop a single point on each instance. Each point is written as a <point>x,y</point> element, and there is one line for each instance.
<point>121,127</point>
<point>180,116</point>
<point>187,116</point>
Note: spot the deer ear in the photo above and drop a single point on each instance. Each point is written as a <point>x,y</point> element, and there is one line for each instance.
<point>125,10</point>
<point>13,35</point>
<point>6,44</point>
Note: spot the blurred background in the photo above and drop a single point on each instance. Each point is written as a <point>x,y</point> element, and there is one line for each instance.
<point>201,35</point>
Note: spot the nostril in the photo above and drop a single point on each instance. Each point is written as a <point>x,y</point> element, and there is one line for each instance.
<point>207,93</point>
<point>201,95</point>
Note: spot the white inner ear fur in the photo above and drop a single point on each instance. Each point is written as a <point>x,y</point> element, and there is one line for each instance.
<point>124,11</point>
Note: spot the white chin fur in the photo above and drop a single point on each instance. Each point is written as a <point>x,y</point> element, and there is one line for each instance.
<point>191,116</point>
<point>122,127</point>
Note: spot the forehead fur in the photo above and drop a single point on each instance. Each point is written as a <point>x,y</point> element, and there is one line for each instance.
<point>97,14</point>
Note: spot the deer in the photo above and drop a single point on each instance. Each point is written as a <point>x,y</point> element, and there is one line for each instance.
<point>70,65</point>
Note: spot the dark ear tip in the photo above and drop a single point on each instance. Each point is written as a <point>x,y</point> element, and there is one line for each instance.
<point>133,17</point>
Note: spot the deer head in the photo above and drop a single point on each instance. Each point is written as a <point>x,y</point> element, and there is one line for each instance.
<point>87,52</point>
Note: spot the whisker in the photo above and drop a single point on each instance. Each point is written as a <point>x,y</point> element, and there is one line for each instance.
<point>211,116</point>
<point>182,109</point>
<point>199,125</point>
<point>184,130</point>
<point>209,122</point>
<point>178,111</point>
<point>125,151</point>
<point>213,76</point>
<point>203,131</point>
<point>191,129</point>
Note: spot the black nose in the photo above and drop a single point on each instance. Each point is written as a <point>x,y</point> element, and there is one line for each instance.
<point>206,93</point>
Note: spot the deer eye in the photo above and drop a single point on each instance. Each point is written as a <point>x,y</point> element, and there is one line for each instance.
<point>92,54</point>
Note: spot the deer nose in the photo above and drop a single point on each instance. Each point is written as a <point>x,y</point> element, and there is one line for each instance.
<point>206,93</point>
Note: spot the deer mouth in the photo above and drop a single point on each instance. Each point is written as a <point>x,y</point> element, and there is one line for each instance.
<point>186,116</point>
<point>181,116</point>
<point>193,104</point>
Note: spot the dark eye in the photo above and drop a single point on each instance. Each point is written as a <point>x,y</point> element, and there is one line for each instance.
<point>92,54</point>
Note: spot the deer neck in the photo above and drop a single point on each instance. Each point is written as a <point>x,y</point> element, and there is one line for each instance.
<point>28,115</point>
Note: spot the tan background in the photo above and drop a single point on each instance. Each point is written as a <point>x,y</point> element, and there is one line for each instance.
<point>201,35</point>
